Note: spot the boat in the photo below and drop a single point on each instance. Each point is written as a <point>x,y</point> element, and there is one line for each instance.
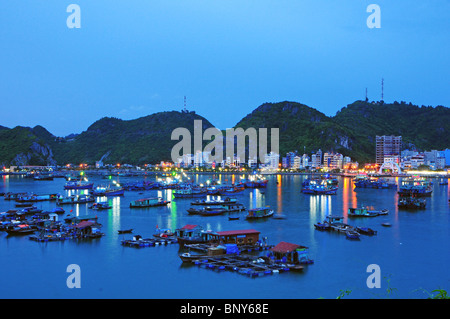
<point>22,229</point>
<point>212,202</point>
<point>352,234</point>
<point>100,205</point>
<point>189,192</point>
<point>43,177</point>
<point>417,187</point>
<point>107,191</point>
<point>149,202</point>
<point>125,231</point>
<point>443,182</point>
<point>209,211</point>
<point>194,234</point>
<point>188,257</point>
<point>36,198</point>
<point>78,185</point>
<point>233,218</point>
<point>361,212</point>
<point>322,226</point>
<point>318,187</point>
<point>386,224</point>
<point>75,199</point>
<point>232,190</point>
<point>366,231</point>
<point>411,203</point>
<point>258,213</point>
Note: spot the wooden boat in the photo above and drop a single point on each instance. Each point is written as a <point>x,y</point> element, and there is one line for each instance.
<point>411,203</point>
<point>188,257</point>
<point>366,231</point>
<point>189,192</point>
<point>258,213</point>
<point>75,199</point>
<point>107,191</point>
<point>352,234</point>
<point>125,231</point>
<point>78,185</point>
<point>322,226</point>
<point>214,202</point>
<point>58,210</point>
<point>22,229</point>
<point>36,198</point>
<point>99,206</point>
<point>233,218</point>
<point>416,187</point>
<point>149,202</point>
<point>361,212</point>
<point>386,224</point>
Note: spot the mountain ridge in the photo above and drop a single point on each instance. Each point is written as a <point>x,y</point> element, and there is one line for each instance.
<point>351,131</point>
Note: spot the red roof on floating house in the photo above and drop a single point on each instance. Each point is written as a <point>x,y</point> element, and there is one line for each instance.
<point>237,232</point>
<point>284,247</point>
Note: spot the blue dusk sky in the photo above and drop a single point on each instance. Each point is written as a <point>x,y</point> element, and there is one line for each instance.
<point>137,57</point>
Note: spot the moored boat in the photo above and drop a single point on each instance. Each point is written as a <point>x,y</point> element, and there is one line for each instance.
<point>149,202</point>
<point>258,213</point>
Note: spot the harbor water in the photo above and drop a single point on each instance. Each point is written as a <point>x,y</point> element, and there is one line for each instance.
<point>413,254</point>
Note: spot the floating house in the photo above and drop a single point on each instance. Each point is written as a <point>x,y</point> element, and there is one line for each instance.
<point>239,237</point>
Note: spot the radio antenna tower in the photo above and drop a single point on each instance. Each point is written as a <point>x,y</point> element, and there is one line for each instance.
<point>366,96</point>
<point>185,101</point>
<point>382,89</point>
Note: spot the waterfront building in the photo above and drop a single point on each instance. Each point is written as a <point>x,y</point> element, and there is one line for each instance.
<point>297,162</point>
<point>272,160</point>
<point>387,145</point>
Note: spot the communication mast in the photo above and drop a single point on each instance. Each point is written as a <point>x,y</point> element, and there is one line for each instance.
<point>382,89</point>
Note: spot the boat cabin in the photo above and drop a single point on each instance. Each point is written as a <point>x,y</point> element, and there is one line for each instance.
<point>239,237</point>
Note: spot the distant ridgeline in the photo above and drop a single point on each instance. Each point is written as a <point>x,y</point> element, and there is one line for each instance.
<point>350,132</point>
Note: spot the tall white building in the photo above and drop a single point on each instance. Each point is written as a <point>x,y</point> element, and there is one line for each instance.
<point>272,160</point>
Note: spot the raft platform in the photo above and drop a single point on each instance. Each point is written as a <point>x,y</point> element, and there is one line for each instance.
<point>148,242</point>
<point>251,266</point>
<point>242,248</point>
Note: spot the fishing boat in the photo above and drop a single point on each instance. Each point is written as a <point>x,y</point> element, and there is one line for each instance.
<point>258,213</point>
<point>417,187</point>
<point>352,234</point>
<point>149,202</point>
<point>411,203</point>
<point>125,231</point>
<point>22,229</point>
<point>318,187</point>
<point>322,226</point>
<point>233,218</point>
<point>36,198</point>
<point>78,185</point>
<point>213,202</point>
<point>209,211</point>
<point>43,177</point>
<point>366,231</point>
<point>189,257</point>
<point>194,234</point>
<point>443,182</point>
<point>100,206</point>
<point>189,192</point>
<point>77,219</point>
<point>361,212</point>
<point>107,191</point>
<point>75,199</point>
<point>235,190</point>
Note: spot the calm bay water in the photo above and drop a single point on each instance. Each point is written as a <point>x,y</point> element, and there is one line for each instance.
<point>413,254</point>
